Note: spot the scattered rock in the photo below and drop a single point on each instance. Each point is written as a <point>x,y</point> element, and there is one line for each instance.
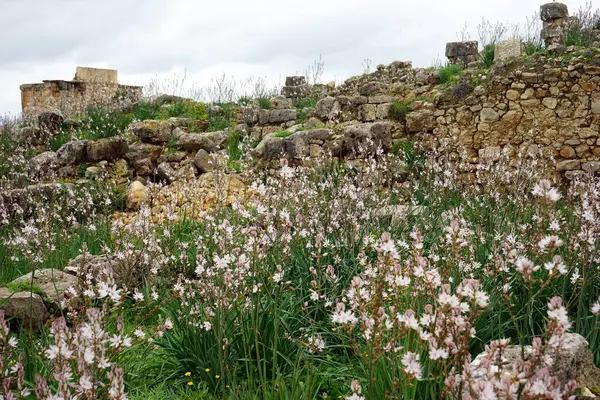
<point>52,283</point>
<point>153,131</point>
<point>196,141</point>
<point>137,194</point>
<point>574,361</point>
<point>105,149</point>
<point>26,307</point>
<point>203,161</point>
<point>71,152</point>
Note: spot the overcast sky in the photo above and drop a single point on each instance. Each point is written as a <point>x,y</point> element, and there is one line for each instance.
<point>148,39</point>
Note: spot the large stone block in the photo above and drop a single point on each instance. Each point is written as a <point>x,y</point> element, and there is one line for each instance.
<point>462,51</point>
<point>279,116</point>
<point>105,149</point>
<point>552,11</point>
<point>508,49</point>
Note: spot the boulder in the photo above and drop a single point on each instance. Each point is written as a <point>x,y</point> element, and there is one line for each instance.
<point>138,151</point>
<point>371,88</point>
<point>143,167</point>
<point>458,50</point>
<point>295,80</point>
<point>165,173</point>
<point>280,116</point>
<point>280,103</point>
<point>72,152</point>
<point>137,194</point>
<point>100,268</point>
<point>219,138</point>
<point>195,142</point>
<point>552,11</point>
<point>105,149</point>
<point>26,307</point>
<point>328,108</point>
<point>203,161</point>
<point>52,283</point>
<point>574,361</point>
<point>153,131</point>
<point>273,147</point>
<point>50,121</point>
<point>43,164</point>
<point>367,138</point>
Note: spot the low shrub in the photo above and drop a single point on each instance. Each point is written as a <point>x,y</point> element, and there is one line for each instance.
<point>450,73</point>
<point>400,109</point>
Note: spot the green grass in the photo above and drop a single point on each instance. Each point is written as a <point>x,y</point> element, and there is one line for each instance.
<point>400,109</point>
<point>450,73</point>
<point>488,54</point>
<point>264,103</point>
<point>23,287</point>
<point>283,134</point>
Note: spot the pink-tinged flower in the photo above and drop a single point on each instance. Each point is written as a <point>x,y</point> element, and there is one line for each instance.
<point>440,353</point>
<point>558,313</point>
<point>544,189</point>
<point>411,364</point>
<point>596,308</point>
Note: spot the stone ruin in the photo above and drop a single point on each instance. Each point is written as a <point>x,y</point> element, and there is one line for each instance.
<point>90,86</point>
<point>539,105</point>
<point>462,52</point>
<point>555,17</point>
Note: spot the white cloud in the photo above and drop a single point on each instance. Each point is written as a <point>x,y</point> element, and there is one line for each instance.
<point>263,38</point>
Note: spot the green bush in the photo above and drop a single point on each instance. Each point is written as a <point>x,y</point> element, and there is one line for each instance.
<point>450,73</point>
<point>187,109</point>
<point>264,103</point>
<point>400,109</point>
<point>488,54</point>
<point>146,110</point>
<point>101,123</point>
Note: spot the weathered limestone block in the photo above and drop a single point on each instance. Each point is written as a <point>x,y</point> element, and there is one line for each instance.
<point>165,173</point>
<point>295,80</point>
<point>367,113</point>
<point>28,308</point>
<point>568,165</point>
<point>367,138</point>
<point>464,52</point>
<point>372,88</point>
<point>153,131</point>
<point>279,116</point>
<point>328,109</point>
<point>72,152</point>
<point>508,49</point>
<point>295,92</point>
<point>141,151</point>
<point>137,194</point>
<point>422,120</point>
<point>554,17</point>
<point>280,103</point>
<point>203,161</point>
<point>553,11</point>
<point>574,361</point>
<point>196,141</point>
<point>52,283</point>
<point>105,149</point>
<point>43,164</point>
<point>489,115</point>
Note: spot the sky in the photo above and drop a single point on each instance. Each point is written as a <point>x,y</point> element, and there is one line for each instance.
<point>201,40</point>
